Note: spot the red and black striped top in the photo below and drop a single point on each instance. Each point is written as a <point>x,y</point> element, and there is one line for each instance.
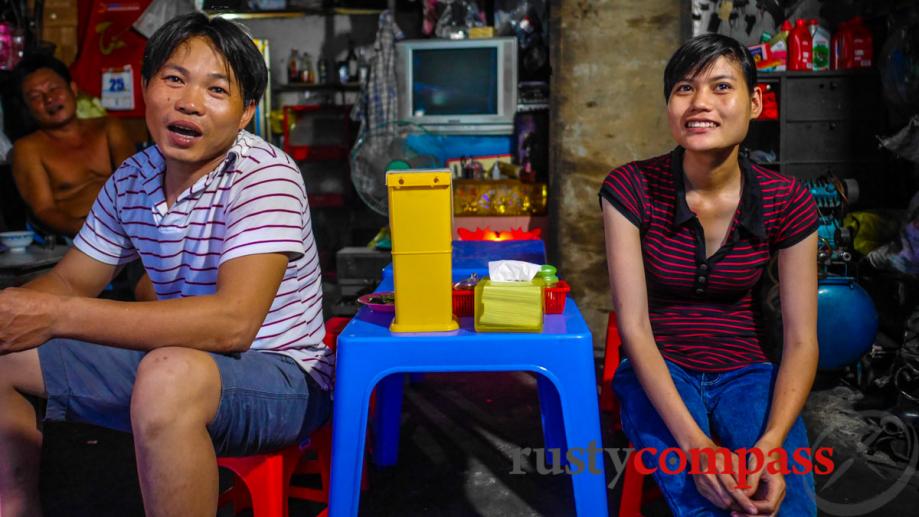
<point>702,310</point>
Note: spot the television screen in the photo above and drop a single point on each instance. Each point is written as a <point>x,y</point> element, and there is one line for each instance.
<point>458,81</point>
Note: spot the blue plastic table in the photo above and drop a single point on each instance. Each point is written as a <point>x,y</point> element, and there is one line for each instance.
<point>468,257</point>
<point>561,356</point>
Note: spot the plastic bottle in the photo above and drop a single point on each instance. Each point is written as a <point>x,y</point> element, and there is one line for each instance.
<point>322,70</point>
<point>342,68</point>
<point>293,67</point>
<point>778,46</point>
<point>306,69</point>
<point>351,58</point>
<point>821,45</point>
<point>841,47</point>
<point>800,48</point>
<point>862,44</point>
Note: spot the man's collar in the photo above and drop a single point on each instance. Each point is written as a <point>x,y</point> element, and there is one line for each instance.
<point>751,212</point>
<point>150,162</point>
<point>244,143</point>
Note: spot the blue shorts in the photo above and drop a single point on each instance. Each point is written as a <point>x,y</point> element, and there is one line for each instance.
<point>267,402</point>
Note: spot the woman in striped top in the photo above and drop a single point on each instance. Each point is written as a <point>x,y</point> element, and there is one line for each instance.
<point>688,237</point>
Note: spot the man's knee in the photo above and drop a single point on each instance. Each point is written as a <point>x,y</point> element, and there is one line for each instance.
<point>22,371</point>
<point>174,386</point>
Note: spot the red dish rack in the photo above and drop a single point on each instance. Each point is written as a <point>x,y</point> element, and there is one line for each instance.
<point>318,133</point>
<point>554,300</point>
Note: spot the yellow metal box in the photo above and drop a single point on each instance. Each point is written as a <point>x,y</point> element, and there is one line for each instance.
<point>421,224</point>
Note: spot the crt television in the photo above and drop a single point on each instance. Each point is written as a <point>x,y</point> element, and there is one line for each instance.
<point>458,86</point>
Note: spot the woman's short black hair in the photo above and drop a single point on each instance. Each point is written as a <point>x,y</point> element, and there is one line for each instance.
<point>228,38</point>
<point>700,52</point>
<point>36,61</point>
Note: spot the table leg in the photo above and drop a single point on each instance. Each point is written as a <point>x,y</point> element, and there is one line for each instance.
<point>349,424</point>
<point>550,412</point>
<point>386,420</point>
<point>578,397</point>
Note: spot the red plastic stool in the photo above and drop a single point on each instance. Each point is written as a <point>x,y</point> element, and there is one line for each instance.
<point>263,480</point>
<point>634,493</point>
<point>633,481</point>
<point>610,363</point>
<point>321,444</point>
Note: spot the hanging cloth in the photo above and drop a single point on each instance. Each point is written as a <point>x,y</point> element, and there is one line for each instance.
<point>378,105</point>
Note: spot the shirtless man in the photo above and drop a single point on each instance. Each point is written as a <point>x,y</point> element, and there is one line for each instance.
<point>60,168</point>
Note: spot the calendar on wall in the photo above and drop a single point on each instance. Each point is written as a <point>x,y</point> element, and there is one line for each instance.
<point>118,89</point>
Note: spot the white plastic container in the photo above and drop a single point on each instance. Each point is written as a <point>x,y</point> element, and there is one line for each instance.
<point>821,48</point>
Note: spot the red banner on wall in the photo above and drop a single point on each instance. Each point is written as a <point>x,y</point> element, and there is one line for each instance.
<point>111,43</point>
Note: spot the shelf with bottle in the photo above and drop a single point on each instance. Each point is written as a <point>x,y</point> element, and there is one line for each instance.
<point>292,13</point>
<point>345,75</point>
<point>845,72</point>
<point>301,86</point>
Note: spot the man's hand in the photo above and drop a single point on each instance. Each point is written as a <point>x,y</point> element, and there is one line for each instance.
<point>26,319</point>
<point>720,487</point>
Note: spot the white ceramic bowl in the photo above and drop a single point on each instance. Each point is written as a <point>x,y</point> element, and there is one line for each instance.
<point>16,241</point>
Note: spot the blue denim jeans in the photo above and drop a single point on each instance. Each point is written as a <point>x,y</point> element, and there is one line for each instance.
<point>266,401</point>
<point>733,405</point>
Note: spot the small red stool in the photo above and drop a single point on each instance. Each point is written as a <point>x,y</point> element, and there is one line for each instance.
<point>610,363</point>
<point>633,481</point>
<point>634,494</point>
<point>263,480</point>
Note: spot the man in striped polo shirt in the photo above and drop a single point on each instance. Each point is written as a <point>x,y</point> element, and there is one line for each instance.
<point>229,359</point>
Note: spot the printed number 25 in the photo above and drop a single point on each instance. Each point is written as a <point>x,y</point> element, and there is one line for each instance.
<point>116,84</point>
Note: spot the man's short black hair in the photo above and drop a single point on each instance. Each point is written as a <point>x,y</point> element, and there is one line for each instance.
<point>228,38</point>
<point>33,62</point>
<point>700,52</point>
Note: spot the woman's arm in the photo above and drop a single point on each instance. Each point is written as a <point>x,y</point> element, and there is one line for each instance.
<point>798,292</point>
<point>630,300</point>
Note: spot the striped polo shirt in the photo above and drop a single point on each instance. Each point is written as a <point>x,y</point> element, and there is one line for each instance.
<point>703,312</point>
<point>253,202</point>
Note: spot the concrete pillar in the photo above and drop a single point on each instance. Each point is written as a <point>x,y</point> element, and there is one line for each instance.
<point>608,58</point>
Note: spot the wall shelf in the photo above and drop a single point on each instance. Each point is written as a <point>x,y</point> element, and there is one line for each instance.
<point>300,87</point>
<point>293,13</point>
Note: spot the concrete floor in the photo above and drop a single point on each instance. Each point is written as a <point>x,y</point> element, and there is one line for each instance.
<point>458,437</point>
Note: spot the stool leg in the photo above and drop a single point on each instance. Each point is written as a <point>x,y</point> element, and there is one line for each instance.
<point>632,489</point>
<point>610,363</point>
<point>553,428</point>
<point>387,417</point>
<point>265,482</point>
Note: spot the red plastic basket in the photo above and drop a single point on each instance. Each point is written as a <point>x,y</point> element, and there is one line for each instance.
<point>554,300</point>
<point>555,297</point>
<point>463,302</point>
